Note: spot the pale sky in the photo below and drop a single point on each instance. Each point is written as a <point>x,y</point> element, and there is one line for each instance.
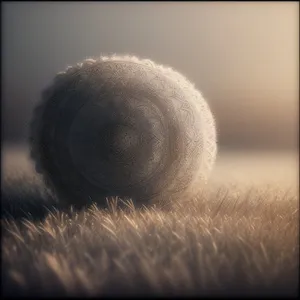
<point>244,57</point>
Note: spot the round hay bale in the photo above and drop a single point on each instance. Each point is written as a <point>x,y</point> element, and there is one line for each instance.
<point>122,126</point>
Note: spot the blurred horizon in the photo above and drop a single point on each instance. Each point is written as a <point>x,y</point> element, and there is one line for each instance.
<point>243,57</point>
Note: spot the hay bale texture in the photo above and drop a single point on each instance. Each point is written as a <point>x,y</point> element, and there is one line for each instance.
<point>122,126</point>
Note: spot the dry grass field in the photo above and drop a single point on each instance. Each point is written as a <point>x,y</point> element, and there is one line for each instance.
<point>238,237</point>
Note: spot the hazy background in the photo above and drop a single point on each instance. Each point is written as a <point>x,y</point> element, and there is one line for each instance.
<point>244,57</point>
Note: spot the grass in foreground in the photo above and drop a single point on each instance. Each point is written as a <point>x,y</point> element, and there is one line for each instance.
<point>227,241</point>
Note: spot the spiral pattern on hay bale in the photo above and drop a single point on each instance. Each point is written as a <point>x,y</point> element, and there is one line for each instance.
<point>122,126</point>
